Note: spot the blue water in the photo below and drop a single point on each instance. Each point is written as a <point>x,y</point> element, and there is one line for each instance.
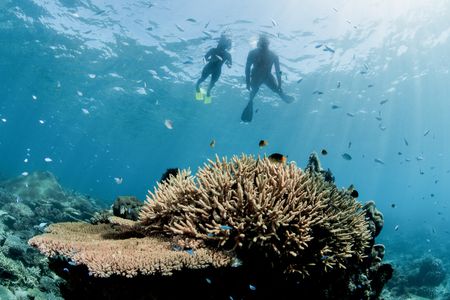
<point>103,76</point>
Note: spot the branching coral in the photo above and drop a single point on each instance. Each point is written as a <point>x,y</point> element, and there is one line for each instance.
<point>254,204</point>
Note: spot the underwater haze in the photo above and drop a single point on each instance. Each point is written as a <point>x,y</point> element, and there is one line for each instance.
<point>93,90</point>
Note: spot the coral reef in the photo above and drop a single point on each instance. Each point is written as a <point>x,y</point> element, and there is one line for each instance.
<point>374,217</point>
<point>27,205</point>
<point>127,207</point>
<point>314,166</point>
<point>248,222</point>
<point>424,277</point>
<point>39,198</point>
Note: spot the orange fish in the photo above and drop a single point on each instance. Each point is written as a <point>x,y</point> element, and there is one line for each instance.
<point>278,158</point>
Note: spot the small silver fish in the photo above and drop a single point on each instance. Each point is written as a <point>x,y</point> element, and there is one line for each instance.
<point>346,156</point>
<point>426,132</point>
<point>42,225</point>
<point>236,262</point>
<point>329,49</point>
<point>378,161</point>
<point>207,33</point>
<point>179,28</point>
<point>396,227</point>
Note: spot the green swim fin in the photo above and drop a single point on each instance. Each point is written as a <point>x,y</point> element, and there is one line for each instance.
<point>247,114</point>
<point>208,99</point>
<point>200,95</point>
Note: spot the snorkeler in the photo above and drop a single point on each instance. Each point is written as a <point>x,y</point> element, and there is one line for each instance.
<point>215,57</point>
<point>258,70</point>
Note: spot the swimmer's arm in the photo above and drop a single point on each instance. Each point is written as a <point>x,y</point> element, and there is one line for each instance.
<point>247,69</point>
<point>209,54</point>
<point>277,70</point>
<point>229,61</point>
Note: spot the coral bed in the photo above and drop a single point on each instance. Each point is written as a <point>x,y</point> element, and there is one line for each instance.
<point>248,222</point>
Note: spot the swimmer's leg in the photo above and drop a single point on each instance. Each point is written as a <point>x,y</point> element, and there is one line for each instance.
<point>272,84</point>
<point>215,74</point>
<point>205,73</point>
<point>247,113</point>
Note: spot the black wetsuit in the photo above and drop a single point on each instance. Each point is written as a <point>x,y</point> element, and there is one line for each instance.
<point>216,57</point>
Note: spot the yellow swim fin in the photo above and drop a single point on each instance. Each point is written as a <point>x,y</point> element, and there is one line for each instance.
<point>200,95</point>
<point>208,99</point>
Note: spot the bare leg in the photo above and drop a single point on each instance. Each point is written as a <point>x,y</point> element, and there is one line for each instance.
<point>247,114</point>
<point>272,84</point>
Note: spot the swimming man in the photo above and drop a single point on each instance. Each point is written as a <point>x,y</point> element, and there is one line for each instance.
<point>258,70</point>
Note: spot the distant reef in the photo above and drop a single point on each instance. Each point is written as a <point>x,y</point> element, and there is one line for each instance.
<point>28,204</point>
<point>425,277</point>
<point>244,228</point>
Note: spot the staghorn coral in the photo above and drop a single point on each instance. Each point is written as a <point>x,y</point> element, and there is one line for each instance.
<point>253,205</point>
<point>107,251</point>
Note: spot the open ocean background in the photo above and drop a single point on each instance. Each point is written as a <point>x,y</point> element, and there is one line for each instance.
<point>90,83</point>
